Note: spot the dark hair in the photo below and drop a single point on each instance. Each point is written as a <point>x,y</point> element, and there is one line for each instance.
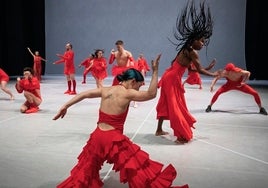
<point>119,42</point>
<point>192,25</point>
<point>97,51</point>
<point>130,74</point>
<point>28,69</point>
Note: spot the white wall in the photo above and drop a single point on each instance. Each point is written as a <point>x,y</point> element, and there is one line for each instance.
<point>144,26</point>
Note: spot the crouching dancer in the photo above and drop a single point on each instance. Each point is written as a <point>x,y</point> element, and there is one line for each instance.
<point>30,86</point>
<point>107,143</point>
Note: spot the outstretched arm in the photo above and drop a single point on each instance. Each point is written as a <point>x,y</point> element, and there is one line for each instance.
<point>196,61</point>
<point>94,93</point>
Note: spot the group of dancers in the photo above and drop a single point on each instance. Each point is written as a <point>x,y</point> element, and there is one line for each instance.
<point>107,143</point>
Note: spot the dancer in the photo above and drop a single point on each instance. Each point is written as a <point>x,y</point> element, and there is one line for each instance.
<point>194,76</point>
<point>193,32</point>
<point>30,86</point>
<point>37,63</point>
<point>124,60</point>
<point>235,80</point>
<point>142,64</point>
<point>108,143</point>
<point>4,79</point>
<point>69,68</point>
<point>99,67</point>
<point>87,66</point>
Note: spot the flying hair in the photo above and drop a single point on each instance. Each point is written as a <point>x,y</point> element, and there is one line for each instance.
<point>192,25</point>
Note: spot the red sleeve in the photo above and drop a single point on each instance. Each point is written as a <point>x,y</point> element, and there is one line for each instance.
<point>59,61</point>
<point>112,58</point>
<point>131,59</point>
<point>18,88</point>
<point>85,62</point>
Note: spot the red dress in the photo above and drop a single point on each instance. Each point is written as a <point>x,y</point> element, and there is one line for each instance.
<point>134,165</point>
<point>3,76</point>
<point>68,60</point>
<point>172,105</point>
<point>143,65</point>
<point>99,68</point>
<point>37,66</point>
<point>86,64</point>
<point>193,77</point>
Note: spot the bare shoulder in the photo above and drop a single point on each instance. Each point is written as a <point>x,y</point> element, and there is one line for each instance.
<point>128,53</point>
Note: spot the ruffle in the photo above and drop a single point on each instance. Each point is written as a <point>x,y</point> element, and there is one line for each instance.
<point>134,165</point>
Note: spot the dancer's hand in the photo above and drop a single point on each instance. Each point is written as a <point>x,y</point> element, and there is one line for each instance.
<point>61,113</point>
<point>155,62</point>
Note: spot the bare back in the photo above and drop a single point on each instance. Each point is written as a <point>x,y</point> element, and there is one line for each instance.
<point>114,100</point>
<point>233,75</point>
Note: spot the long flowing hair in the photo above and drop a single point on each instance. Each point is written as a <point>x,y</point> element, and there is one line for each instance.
<point>193,25</point>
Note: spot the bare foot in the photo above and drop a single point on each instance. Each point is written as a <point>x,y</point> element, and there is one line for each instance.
<point>12,98</point>
<point>181,141</point>
<point>159,133</point>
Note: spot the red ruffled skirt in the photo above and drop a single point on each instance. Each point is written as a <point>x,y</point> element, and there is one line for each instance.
<point>134,165</point>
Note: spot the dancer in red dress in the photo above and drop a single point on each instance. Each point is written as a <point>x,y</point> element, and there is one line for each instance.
<point>30,87</point>
<point>69,68</point>
<point>194,77</point>
<point>107,143</point>
<point>142,65</point>
<point>87,66</point>
<point>4,79</point>
<point>123,58</point>
<point>99,68</point>
<point>235,80</point>
<point>37,63</point>
<point>193,32</point>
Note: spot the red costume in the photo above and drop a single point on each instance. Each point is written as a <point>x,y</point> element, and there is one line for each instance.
<point>142,65</point>
<point>37,66</point>
<point>134,165</point>
<point>30,86</point>
<point>86,63</point>
<point>193,76</point>
<point>99,68</point>
<point>235,85</point>
<point>172,105</point>
<point>68,60</point>
<point>3,76</point>
<point>69,69</point>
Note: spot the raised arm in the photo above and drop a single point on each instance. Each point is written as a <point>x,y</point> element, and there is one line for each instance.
<point>30,51</point>
<point>152,90</point>
<point>154,81</point>
<point>112,56</point>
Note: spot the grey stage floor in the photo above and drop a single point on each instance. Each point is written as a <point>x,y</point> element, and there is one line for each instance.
<point>229,149</point>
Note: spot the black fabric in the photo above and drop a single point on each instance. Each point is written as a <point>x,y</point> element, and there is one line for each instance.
<point>255,39</point>
<point>22,25</point>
